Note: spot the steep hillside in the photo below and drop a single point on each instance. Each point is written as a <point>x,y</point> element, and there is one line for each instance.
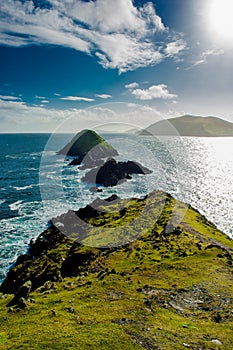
<point>191,126</point>
<point>123,276</point>
<point>87,143</point>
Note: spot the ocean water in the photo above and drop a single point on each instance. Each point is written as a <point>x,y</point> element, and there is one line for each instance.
<point>37,184</point>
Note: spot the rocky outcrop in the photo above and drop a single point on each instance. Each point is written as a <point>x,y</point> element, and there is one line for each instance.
<point>112,172</point>
<point>90,151</point>
<point>88,148</point>
<point>21,295</point>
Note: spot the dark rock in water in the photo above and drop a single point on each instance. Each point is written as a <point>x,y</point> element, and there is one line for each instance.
<point>113,172</point>
<point>88,148</point>
<point>112,198</point>
<point>21,295</point>
<point>76,161</point>
<point>95,189</point>
<point>87,162</point>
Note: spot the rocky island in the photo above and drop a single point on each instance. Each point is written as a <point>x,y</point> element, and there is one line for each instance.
<point>91,151</point>
<point>112,172</point>
<point>88,148</point>
<point>149,273</point>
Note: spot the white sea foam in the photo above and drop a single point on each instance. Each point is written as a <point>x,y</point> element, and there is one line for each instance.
<point>15,205</point>
<point>33,154</point>
<point>24,187</point>
<point>2,201</point>
<point>13,156</point>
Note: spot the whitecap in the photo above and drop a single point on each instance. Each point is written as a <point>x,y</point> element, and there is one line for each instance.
<point>33,154</point>
<point>13,156</point>
<point>2,201</point>
<point>24,187</point>
<point>15,205</point>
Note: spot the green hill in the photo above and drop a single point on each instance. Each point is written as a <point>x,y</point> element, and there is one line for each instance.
<point>153,286</point>
<point>188,125</point>
<point>88,142</point>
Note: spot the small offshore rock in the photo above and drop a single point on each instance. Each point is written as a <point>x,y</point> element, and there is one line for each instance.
<point>112,172</point>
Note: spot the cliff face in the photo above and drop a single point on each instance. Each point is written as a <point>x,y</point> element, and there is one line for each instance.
<point>123,275</point>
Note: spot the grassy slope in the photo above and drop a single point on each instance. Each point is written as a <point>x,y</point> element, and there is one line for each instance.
<point>161,291</point>
<point>85,141</point>
<point>193,126</point>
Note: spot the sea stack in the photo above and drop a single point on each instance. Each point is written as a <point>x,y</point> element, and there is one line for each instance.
<point>112,173</point>
<point>88,147</point>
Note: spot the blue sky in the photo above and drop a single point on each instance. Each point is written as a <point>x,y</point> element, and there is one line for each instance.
<point>104,61</point>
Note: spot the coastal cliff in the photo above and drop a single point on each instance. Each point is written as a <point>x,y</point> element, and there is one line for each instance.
<point>124,274</point>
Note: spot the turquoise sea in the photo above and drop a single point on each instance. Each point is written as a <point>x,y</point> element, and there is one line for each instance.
<point>37,184</point>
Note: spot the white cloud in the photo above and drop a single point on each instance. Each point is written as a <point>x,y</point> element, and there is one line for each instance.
<point>9,98</point>
<point>104,96</point>
<point>126,53</point>
<point>40,97</point>
<point>153,92</point>
<point>34,25</point>
<point>17,116</point>
<point>204,56</point>
<point>20,117</point>
<point>131,86</point>
<point>121,35</point>
<point>175,47</point>
<point>107,16</point>
<point>132,105</point>
<point>77,98</point>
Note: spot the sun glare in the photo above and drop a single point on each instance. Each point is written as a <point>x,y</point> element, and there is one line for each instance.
<point>221,18</point>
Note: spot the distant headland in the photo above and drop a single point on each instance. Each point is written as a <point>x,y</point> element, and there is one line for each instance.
<point>189,125</point>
